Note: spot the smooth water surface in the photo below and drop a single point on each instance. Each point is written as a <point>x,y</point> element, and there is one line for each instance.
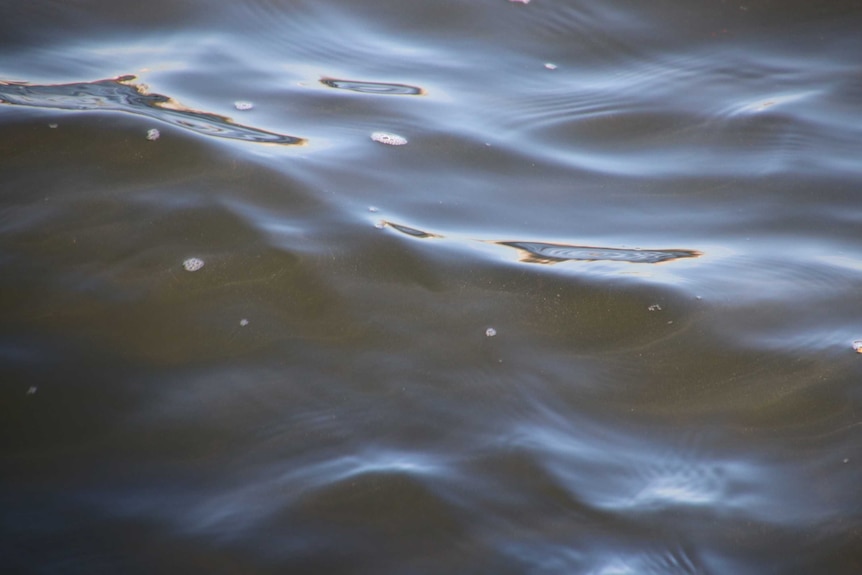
<point>595,316</point>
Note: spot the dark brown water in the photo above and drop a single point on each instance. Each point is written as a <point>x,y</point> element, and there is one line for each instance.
<point>596,315</point>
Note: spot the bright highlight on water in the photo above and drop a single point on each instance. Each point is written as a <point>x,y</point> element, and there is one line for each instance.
<point>193,264</point>
<point>123,95</point>
<point>389,139</point>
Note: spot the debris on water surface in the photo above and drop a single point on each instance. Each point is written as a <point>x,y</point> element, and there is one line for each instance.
<point>654,307</point>
<point>550,66</point>
<point>31,390</point>
<point>520,1</point>
<point>243,106</point>
<point>52,125</point>
<point>490,332</point>
<point>389,139</point>
<point>243,322</point>
<point>857,346</point>
<point>153,135</point>
<point>373,209</point>
<point>193,264</point>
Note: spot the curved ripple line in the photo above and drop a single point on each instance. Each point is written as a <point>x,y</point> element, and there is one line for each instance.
<point>121,95</point>
<point>377,88</point>
<point>413,232</point>
<point>545,253</point>
<point>552,253</point>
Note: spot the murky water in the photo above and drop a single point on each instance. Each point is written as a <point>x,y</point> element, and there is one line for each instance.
<point>239,335</point>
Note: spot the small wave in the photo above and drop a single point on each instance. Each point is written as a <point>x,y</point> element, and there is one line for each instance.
<point>122,95</point>
<point>413,232</point>
<point>544,253</point>
<point>379,88</point>
<point>552,253</point>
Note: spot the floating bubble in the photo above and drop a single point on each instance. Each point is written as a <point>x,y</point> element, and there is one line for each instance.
<point>153,135</point>
<point>193,264</point>
<point>389,139</point>
<point>857,346</point>
<point>243,106</point>
<point>490,332</point>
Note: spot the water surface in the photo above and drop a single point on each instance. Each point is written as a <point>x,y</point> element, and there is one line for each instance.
<point>224,352</point>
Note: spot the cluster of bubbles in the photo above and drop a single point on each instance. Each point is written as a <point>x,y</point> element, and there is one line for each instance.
<point>389,139</point>
<point>193,264</point>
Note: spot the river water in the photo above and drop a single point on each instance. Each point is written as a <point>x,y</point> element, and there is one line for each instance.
<point>443,286</point>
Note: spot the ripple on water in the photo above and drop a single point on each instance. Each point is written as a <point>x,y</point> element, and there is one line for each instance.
<point>552,253</point>
<point>122,95</point>
<point>377,88</point>
<point>545,253</point>
<point>407,230</point>
<point>319,35</point>
<point>616,472</point>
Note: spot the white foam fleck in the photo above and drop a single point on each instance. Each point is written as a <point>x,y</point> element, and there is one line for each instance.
<point>550,66</point>
<point>153,135</point>
<point>243,322</point>
<point>490,332</point>
<point>193,264</point>
<point>857,346</point>
<point>389,139</point>
<point>243,106</point>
